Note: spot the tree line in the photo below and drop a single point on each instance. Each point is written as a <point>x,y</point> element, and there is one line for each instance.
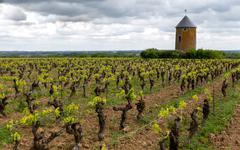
<point>191,54</point>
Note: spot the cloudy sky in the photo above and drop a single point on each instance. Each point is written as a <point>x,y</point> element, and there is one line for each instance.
<point>115,24</point>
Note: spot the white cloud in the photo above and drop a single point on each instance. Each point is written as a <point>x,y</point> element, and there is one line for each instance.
<point>10,12</point>
<point>114,24</point>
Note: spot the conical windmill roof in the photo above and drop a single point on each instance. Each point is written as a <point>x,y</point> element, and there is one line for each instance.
<point>186,23</point>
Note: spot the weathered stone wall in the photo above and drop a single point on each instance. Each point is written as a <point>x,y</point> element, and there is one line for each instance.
<point>188,39</point>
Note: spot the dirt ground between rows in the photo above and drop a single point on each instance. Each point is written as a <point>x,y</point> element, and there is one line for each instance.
<point>142,140</point>
<point>90,124</point>
<point>230,138</point>
<point>148,140</point>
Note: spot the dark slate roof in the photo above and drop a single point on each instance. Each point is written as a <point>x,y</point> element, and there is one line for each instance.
<point>186,22</point>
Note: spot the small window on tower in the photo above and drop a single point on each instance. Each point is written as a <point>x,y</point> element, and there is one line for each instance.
<point>179,39</point>
<point>185,29</point>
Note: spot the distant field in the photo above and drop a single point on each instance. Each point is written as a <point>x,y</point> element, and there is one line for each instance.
<point>114,53</point>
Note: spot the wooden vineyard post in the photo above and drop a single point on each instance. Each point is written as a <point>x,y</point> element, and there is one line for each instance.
<point>213,100</point>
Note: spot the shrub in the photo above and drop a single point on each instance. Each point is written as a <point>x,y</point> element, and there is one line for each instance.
<point>191,54</point>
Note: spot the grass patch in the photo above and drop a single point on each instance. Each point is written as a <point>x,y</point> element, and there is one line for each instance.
<point>5,137</point>
<point>225,108</point>
<point>115,135</point>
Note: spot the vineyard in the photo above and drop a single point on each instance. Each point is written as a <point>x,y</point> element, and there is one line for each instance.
<point>115,103</point>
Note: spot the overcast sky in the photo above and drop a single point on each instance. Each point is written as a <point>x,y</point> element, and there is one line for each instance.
<point>115,24</point>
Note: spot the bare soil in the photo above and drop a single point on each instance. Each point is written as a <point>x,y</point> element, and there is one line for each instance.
<point>139,137</point>
<point>230,138</point>
<point>146,139</point>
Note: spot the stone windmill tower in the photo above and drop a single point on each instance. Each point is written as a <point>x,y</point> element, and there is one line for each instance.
<point>186,34</point>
